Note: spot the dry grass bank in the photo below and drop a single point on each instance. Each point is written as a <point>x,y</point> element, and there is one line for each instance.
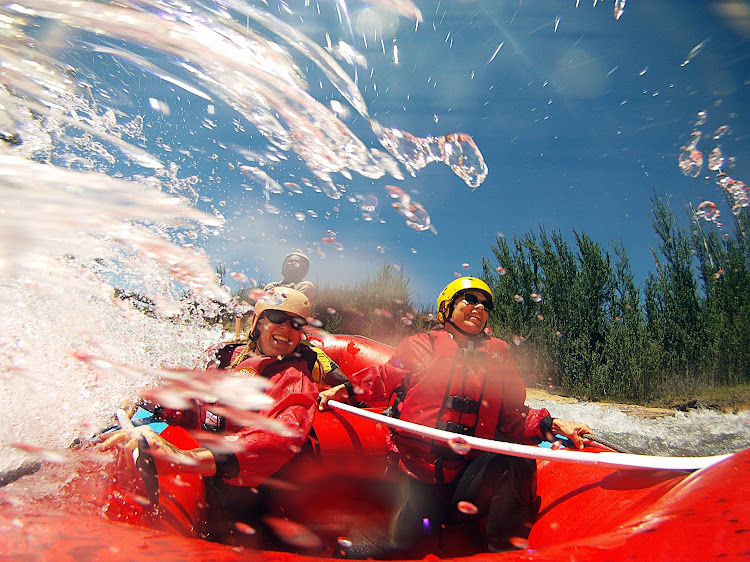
<point>723,399</point>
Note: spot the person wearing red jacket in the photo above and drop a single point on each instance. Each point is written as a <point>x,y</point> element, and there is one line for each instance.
<point>240,450</point>
<point>461,380</point>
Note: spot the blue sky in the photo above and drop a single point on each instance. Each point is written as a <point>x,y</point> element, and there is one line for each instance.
<point>579,117</point>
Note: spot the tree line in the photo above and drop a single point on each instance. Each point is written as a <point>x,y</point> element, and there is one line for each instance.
<point>580,321</point>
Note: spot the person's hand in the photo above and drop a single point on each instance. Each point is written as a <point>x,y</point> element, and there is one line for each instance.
<point>339,393</point>
<point>169,459</point>
<point>129,406</point>
<point>572,430</point>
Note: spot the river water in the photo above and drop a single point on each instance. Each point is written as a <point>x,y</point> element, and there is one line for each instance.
<point>97,196</point>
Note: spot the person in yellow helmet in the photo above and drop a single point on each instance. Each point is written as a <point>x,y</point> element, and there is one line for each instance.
<point>462,380</point>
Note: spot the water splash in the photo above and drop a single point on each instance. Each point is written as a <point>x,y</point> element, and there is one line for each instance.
<point>251,74</point>
<point>457,151</point>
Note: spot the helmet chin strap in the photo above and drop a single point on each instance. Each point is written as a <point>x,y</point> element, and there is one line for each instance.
<point>448,320</point>
<point>471,337</point>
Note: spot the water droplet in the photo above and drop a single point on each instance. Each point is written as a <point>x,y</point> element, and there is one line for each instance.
<point>619,10</point>
<point>520,542</point>
<point>693,53</point>
<point>691,162</point>
<point>467,507</point>
<point>708,211</point>
<point>333,243</point>
<point>244,528</point>
<point>715,159</point>
<point>293,533</point>
<point>459,445</point>
<point>239,276</point>
<point>721,131</point>
<point>368,203</point>
<point>344,542</point>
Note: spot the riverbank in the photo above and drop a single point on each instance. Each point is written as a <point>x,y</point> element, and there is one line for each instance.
<point>727,400</point>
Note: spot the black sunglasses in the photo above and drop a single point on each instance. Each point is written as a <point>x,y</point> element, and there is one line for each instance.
<point>279,317</point>
<point>473,300</point>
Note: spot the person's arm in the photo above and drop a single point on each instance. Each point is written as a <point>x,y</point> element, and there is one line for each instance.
<point>570,429</point>
<point>377,382</point>
<point>252,454</point>
<point>343,392</point>
<point>307,289</point>
<point>169,458</point>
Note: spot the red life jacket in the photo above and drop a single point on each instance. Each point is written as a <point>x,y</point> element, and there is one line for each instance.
<point>467,391</point>
<point>247,453</point>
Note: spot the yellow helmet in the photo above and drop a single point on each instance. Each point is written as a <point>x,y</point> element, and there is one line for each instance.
<point>458,287</point>
<point>282,298</point>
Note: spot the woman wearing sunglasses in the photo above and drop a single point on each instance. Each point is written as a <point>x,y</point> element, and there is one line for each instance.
<point>462,380</point>
<point>239,448</point>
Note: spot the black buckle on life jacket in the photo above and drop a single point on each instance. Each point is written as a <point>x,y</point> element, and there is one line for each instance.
<point>462,404</point>
<point>455,427</point>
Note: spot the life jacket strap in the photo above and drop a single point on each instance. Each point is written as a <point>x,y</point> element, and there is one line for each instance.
<point>455,427</point>
<point>462,404</point>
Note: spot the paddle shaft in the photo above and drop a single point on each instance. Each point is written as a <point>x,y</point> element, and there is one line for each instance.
<point>614,460</point>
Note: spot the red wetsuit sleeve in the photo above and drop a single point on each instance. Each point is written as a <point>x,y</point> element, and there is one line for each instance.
<point>376,383</point>
<point>517,422</point>
<point>261,451</point>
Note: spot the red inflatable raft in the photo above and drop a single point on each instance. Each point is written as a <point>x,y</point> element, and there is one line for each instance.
<point>596,504</point>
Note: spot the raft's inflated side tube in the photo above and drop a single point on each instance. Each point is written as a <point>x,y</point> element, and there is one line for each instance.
<point>181,500</point>
<point>352,353</point>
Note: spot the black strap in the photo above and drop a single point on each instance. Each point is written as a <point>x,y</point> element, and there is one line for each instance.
<point>462,404</point>
<point>455,427</point>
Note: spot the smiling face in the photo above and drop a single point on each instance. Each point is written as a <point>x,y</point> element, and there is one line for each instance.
<point>277,339</point>
<point>471,318</point>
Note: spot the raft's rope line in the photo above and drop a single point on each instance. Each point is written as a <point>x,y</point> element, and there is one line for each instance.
<point>605,458</point>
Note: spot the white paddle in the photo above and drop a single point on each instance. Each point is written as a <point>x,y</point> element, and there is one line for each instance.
<point>614,460</point>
